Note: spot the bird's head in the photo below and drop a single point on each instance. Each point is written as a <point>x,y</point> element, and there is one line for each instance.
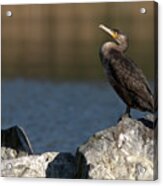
<point>119,37</point>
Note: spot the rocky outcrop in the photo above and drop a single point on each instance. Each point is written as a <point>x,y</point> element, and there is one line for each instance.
<point>18,159</point>
<point>46,165</point>
<point>125,151</point>
<point>14,143</point>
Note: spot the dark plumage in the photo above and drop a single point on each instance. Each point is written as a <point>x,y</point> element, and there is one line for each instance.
<point>123,74</point>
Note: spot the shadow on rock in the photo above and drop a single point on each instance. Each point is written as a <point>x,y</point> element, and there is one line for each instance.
<point>63,166</point>
<point>82,166</point>
<point>14,143</point>
<point>15,138</point>
<point>150,121</point>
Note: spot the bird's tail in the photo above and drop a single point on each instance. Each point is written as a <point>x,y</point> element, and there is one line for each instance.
<point>154,110</point>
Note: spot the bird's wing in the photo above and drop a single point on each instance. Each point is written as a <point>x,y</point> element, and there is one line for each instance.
<point>129,76</point>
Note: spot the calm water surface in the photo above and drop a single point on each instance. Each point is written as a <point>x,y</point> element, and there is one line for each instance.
<point>59,116</point>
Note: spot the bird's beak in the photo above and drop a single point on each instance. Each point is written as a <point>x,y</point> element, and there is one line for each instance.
<point>113,34</point>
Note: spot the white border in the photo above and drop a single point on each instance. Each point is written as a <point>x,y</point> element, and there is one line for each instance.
<point>58,182</point>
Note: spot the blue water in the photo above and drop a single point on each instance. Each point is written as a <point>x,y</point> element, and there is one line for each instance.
<point>60,116</point>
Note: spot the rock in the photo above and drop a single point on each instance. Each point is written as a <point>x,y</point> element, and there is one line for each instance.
<point>50,165</point>
<point>9,153</point>
<point>14,143</point>
<point>18,159</point>
<point>125,151</point>
<point>63,166</point>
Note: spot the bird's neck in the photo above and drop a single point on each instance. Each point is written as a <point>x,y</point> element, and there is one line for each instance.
<point>108,47</point>
<point>123,46</point>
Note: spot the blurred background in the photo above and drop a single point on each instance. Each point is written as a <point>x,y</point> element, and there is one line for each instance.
<point>62,41</point>
<point>52,78</point>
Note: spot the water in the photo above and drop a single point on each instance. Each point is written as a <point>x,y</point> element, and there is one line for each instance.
<point>59,116</point>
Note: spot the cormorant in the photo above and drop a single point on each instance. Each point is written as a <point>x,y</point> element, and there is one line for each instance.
<point>123,74</point>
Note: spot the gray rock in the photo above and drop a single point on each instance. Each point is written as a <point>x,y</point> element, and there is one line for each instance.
<point>125,151</point>
<point>50,165</point>
<point>14,143</point>
<point>9,153</point>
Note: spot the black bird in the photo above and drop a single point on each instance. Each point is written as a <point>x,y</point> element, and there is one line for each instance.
<point>123,74</point>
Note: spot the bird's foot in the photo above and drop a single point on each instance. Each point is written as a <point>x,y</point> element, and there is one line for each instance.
<point>125,115</point>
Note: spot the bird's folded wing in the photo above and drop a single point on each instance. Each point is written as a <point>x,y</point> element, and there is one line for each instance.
<point>130,77</point>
